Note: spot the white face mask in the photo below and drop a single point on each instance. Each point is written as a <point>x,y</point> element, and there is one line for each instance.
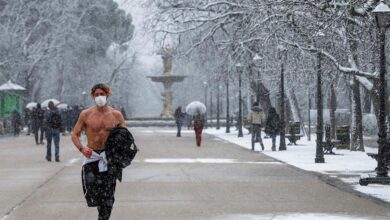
<point>101,101</point>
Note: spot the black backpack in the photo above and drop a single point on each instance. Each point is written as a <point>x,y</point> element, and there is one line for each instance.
<point>55,120</point>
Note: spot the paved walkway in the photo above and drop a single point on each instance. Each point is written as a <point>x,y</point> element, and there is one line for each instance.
<point>171,179</point>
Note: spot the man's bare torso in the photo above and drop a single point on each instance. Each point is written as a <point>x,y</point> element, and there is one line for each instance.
<point>98,124</point>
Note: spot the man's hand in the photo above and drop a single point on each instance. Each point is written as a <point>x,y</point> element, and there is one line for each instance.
<point>86,151</point>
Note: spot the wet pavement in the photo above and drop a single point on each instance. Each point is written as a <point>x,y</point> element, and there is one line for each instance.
<point>173,179</point>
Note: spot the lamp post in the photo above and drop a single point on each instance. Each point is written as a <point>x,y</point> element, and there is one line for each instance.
<point>319,148</point>
<point>282,53</point>
<point>84,93</point>
<point>227,107</point>
<point>308,117</point>
<point>218,106</point>
<point>382,16</point>
<point>239,120</point>
<point>211,107</point>
<point>205,99</point>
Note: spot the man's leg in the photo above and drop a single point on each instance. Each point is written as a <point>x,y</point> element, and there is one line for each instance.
<point>253,139</point>
<point>36,130</point>
<point>56,137</point>
<point>273,142</point>
<point>49,137</point>
<point>258,134</point>
<point>42,131</point>
<point>108,196</point>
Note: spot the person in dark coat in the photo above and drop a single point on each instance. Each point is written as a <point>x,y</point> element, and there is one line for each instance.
<point>38,116</point>
<point>27,120</point>
<point>53,123</point>
<point>16,121</point>
<point>68,122</point>
<point>179,118</point>
<point>273,126</point>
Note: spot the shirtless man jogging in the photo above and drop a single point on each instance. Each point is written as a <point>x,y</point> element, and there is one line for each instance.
<point>97,121</point>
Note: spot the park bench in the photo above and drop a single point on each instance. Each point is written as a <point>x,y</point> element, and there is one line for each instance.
<point>386,158</point>
<point>329,143</point>
<point>294,132</point>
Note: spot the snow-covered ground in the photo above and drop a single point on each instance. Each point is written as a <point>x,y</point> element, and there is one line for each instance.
<point>347,165</point>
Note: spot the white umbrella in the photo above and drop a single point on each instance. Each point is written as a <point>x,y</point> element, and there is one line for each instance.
<point>195,107</point>
<point>62,106</point>
<point>31,105</point>
<point>45,103</point>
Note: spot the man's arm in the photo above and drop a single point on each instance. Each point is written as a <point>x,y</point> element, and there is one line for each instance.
<point>120,118</point>
<point>80,125</point>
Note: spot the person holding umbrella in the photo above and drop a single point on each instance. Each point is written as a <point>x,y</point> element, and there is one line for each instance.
<point>198,110</point>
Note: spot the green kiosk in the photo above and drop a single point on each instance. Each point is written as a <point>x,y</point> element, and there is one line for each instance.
<point>11,97</point>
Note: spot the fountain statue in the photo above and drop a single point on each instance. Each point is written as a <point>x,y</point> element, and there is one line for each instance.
<point>167,79</point>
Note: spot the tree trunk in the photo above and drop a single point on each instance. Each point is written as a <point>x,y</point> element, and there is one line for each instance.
<point>265,101</point>
<point>366,101</point>
<point>357,124</point>
<point>295,106</point>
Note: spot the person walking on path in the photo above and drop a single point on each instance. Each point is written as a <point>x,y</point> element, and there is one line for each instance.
<point>97,121</point>
<point>53,126</point>
<point>199,121</point>
<point>37,123</point>
<point>256,119</point>
<point>179,118</point>
<point>273,126</point>
<point>27,120</point>
<point>16,120</point>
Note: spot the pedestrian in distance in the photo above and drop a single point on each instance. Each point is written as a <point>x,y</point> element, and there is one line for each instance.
<point>188,119</point>
<point>69,119</point>
<point>27,120</point>
<point>256,119</point>
<point>273,126</point>
<point>75,115</point>
<point>53,122</point>
<point>16,120</point>
<point>38,116</point>
<point>199,121</point>
<point>179,119</point>
<point>97,121</point>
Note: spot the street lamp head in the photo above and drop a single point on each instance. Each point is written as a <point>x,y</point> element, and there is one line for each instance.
<point>382,15</point>
<point>257,58</point>
<point>282,51</point>
<point>239,66</point>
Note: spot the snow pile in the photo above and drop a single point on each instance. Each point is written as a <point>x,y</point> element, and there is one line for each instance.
<point>345,164</point>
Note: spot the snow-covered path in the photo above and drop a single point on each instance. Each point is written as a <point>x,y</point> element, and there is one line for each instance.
<point>173,179</point>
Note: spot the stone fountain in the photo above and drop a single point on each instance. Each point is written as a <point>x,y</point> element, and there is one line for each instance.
<point>167,79</point>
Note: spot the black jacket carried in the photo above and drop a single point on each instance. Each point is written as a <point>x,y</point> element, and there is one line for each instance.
<point>120,150</point>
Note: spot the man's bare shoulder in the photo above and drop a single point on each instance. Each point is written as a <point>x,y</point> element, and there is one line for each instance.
<point>87,111</point>
<point>116,112</point>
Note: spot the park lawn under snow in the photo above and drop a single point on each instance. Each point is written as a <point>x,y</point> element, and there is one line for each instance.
<point>346,163</point>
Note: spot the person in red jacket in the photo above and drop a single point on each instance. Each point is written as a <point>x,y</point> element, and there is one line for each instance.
<point>199,120</point>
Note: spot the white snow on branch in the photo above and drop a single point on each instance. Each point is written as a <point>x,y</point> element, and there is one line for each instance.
<point>365,82</point>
